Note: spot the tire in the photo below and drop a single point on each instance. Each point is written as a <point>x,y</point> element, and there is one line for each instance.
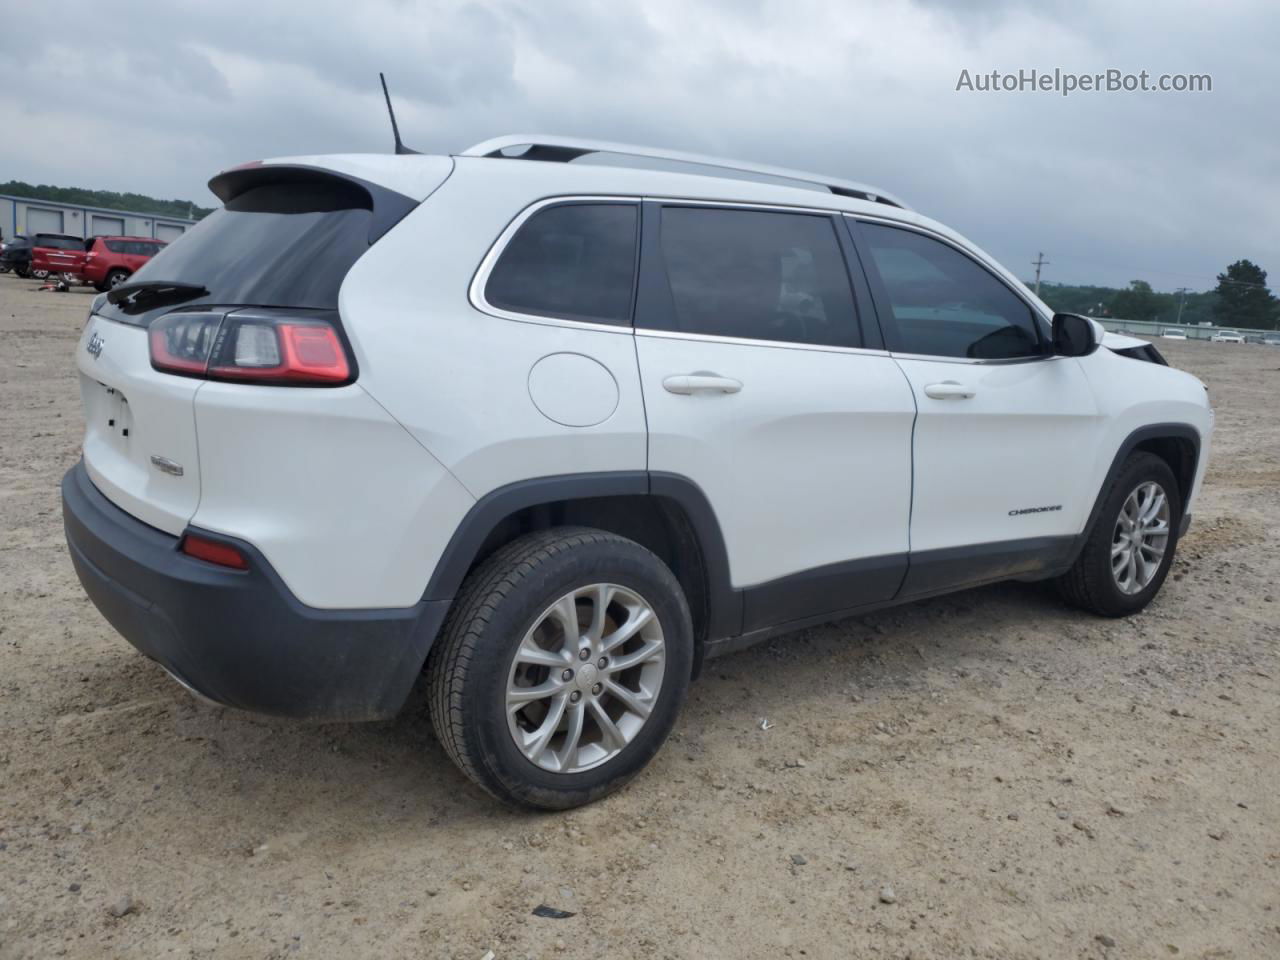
<point>23,271</point>
<point>509,614</point>
<point>1093,582</point>
<point>40,274</point>
<point>115,278</point>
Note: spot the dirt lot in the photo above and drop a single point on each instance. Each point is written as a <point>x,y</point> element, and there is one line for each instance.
<point>1028,781</point>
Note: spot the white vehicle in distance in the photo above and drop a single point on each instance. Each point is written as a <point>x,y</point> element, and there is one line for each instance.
<point>558,433</point>
<point>1174,333</point>
<point>1228,336</point>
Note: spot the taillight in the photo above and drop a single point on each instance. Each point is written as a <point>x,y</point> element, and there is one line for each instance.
<point>211,551</point>
<point>256,346</point>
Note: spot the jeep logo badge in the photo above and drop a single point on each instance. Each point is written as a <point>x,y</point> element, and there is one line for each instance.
<point>95,345</point>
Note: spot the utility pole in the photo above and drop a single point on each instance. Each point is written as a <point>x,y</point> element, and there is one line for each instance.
<point>1182,302</point>
<point>1039,262</point>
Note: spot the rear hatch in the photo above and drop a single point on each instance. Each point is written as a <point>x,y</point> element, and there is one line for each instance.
<point>59,254</point>
<point>282,244</point>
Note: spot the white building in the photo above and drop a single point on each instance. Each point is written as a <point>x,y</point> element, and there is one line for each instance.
<point>21,215</point>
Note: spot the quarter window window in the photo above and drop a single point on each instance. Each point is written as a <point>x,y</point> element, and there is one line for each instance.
<point>946,305</point>
<point>758,274</point>
<point>575,261</point>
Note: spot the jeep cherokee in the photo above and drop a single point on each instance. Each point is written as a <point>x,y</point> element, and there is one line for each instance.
<point>557,432</point>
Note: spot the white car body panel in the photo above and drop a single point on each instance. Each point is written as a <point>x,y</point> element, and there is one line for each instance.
<point>1133,395</point>
<point>145,414</point>
<point>808,465</point>
<point>1013,445</point>
<point>346,506</point>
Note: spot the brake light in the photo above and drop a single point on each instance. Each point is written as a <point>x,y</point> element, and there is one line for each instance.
<point>267,347</point>
<point>211,551</point>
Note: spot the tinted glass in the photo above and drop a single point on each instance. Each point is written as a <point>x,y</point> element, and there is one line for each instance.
<point>759,275</point>
<point>283,245</point>
<point>115,246</point>
<point>946,305</point>
<point>575,261</point>
<point>55,242</point>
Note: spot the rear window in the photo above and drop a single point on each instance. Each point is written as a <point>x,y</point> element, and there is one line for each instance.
<point>277,245</point>
<point>575,261</point>
<point>59,243</point>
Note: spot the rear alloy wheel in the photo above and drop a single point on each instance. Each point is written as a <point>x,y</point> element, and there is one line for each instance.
<point>116,277</point>
<point>584,678</point>
<point>40,274</point>
<point>1131,546</point>
<point>562,667</point>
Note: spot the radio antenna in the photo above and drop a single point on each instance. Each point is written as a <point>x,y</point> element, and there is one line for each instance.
<point>395,129</point>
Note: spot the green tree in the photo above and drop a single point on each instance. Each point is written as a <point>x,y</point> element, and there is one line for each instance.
<point>108,199</point>
<point>1243,298</point>
<point>1139,302</point>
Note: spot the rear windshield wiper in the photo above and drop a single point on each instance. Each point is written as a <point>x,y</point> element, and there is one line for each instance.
<point>151,292</point>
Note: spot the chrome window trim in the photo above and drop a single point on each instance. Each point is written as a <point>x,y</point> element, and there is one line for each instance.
<point>750,342</point>
<point>998,361</point>
<point>480,279</point>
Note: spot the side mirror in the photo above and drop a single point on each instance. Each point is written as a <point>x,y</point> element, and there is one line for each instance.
<point>1074,335</point>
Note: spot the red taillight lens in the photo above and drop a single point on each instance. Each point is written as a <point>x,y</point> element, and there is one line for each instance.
<point>292,351</point>
<point>253,346</point>
<point>181,342</point>
<point>211,551</point>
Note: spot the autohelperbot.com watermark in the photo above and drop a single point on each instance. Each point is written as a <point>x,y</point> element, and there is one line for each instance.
<point>1066,82</point>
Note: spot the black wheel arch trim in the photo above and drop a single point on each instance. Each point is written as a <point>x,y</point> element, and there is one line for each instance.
<point>724,604</point>
<point>1154,431</point>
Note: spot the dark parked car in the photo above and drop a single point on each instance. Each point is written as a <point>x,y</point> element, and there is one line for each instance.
<point>15,255</point>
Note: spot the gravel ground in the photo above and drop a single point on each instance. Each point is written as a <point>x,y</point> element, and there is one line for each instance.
<point>983,775</point>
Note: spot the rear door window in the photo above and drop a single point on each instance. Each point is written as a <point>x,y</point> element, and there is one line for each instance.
<point>757,274</point>
<point>576,261</point>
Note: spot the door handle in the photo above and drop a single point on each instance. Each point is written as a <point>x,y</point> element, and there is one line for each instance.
<point>948,390</point>
<point>689,383</point>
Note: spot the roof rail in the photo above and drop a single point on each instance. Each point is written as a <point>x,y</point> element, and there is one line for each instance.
<point>564,149</point>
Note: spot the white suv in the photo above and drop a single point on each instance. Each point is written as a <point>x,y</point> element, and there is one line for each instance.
<point>560,431</point>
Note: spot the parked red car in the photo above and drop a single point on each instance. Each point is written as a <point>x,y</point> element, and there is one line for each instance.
<point>110,261</point>
<point>56,253</point>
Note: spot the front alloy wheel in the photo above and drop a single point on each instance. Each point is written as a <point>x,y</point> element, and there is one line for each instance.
<point>1130,547</point>
<point>1140,538</point>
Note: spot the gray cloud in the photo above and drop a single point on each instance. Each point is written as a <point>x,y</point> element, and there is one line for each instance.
<point>1167,187</point>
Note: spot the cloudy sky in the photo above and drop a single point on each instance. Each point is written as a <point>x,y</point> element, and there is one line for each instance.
<point>1167,187</point>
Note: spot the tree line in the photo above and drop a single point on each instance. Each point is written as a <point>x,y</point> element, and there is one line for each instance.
<point>107,199</point>
<point>1241,299</point>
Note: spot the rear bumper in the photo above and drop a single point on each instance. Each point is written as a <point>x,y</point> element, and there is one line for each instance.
<point>241,638</point>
